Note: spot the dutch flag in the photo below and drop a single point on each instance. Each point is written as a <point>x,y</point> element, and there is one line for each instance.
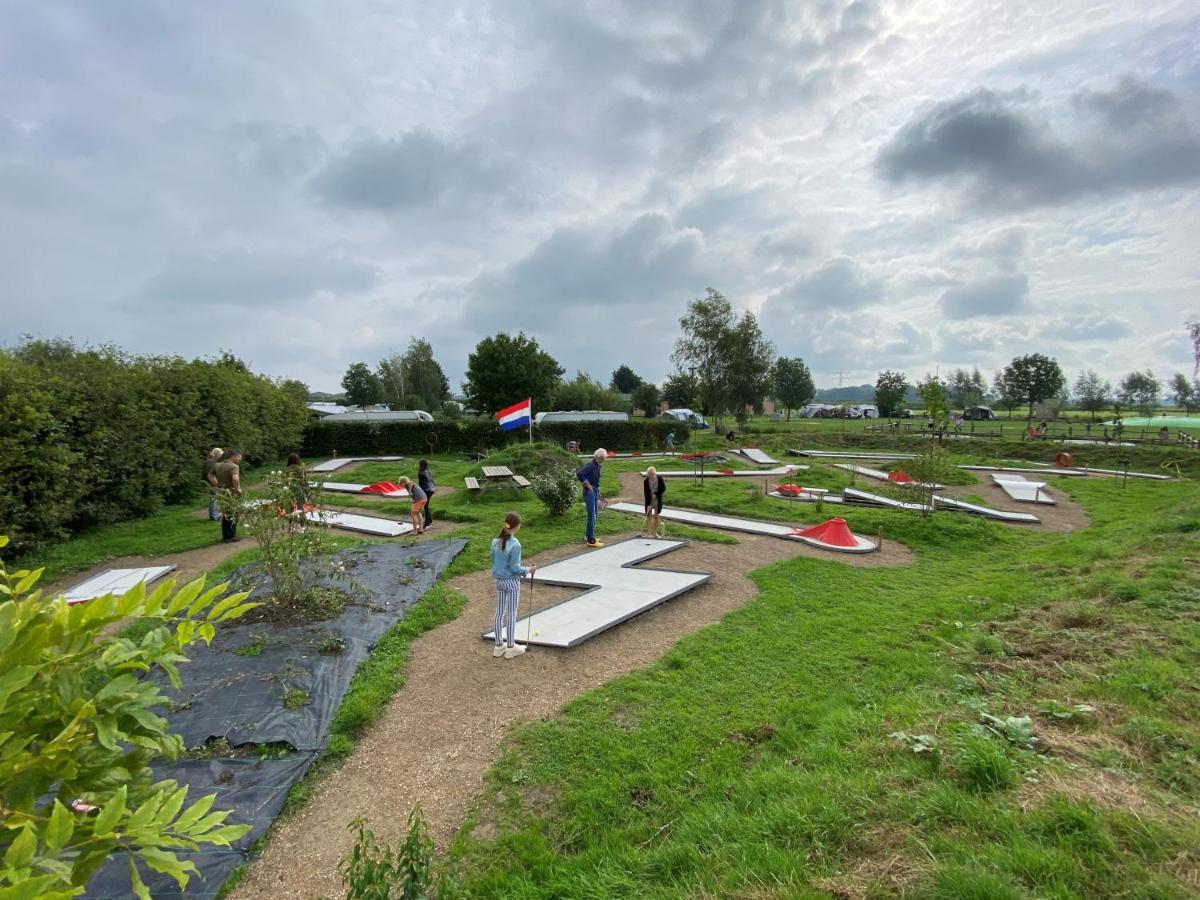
<point>514,416</point>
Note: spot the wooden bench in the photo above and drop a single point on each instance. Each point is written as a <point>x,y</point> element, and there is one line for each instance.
<point>521,481</point>
<point>472,483</point>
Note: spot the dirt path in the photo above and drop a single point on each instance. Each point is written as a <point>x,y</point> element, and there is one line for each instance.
<point>441,731</point>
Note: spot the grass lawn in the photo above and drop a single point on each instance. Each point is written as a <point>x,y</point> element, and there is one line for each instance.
<point>829,737</point>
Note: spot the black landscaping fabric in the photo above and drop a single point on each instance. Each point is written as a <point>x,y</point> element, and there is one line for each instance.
<point>240,697</point>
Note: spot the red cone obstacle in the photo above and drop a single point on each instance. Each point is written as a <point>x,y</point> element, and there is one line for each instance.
<point>833,532</point>
<point>383,487</point>
<point>900,477</point>
<point>789,490</point>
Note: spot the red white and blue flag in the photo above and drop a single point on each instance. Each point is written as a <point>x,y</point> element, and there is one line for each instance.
<point>514,416</point>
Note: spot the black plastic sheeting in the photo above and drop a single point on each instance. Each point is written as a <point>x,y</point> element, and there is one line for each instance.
<point>239,697</point>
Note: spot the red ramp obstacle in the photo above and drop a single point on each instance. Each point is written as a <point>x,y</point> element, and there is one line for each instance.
<point>900,477</point>
<point>384,487</point>
<point>834,534</point>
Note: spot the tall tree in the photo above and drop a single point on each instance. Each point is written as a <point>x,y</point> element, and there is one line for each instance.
<point>1186,393</point>
<point>1194,333</point>
<point>890,388</point>
<point>392,383</point>
<point>503,369</point>
<point>624,380</point>
<point>1006,398</point>
<point>1033,378</point>
<point>645,398</point>
<point>792,383</point>
<point>966,389</point>
<point>427,386</point>
<point>585,392</point>
<point>680,390</point>
<point>1141,390</point>
<point>700,350</point>
<point>362,386</point>
<point>937,404</point>
<point>1091,392</point>
<point>748,358</point>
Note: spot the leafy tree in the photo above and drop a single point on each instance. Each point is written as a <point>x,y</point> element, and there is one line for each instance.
<point>890,388</point>
<point>1140,390</point>
<point>80,726</point>
<point>414,380</point>
<point>729,359</point>
<point>1091,392</point>
<point>748,367</point>
<point>362,386</point>
<point>792,383</point>
<point>585,392</point>
<point>1033,378</point>
<point>503,369</point>
<point>393,385</point>
<point>1006,398</point>
<point>679,390</point>
<point>1194,333</point>
<point>624,380</point>
<point>1186,393</point>
<point>937,405</point>
<point>965,388</point>
<point>645,398</point>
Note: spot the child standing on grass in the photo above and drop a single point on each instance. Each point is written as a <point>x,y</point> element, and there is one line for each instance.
<point>418,503</point>
<point>508,571</point>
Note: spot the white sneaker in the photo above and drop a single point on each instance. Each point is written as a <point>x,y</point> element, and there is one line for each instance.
<point>514,651</point>
<point>498,651</point>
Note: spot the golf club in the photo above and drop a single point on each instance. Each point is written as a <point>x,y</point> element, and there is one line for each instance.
<point>529,618</point>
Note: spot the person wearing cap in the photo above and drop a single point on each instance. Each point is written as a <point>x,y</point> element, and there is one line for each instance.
<point>590,476</point>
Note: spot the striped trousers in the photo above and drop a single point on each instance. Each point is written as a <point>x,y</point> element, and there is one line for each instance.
<point>508,599</point>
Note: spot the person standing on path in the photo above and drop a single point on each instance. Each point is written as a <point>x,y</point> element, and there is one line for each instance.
<point>419,501</point>
<point>425,481</point>
<point>210,463</point>
<point>296,479</point>
<point>508,572</point>
<point>590,476</point>
<point>653,487</point>
<point>227,476</point>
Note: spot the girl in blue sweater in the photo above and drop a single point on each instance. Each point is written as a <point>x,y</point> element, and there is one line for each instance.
<point>508,571</point>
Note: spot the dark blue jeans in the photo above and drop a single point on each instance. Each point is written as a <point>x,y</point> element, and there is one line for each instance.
<point>591,501</point>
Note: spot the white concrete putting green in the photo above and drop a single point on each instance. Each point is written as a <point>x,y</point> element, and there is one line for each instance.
<point>747,526</point>
<point>332,465</point>
<point>809,496</point>
<point>838,454</point>
<point>345,487</point>
<point>615,591</point>
<point>940,502</point>
<point>880,475</point>
<point>114,581</point>
<point>1021,490</point>
<point>758,457</point>
<point>1022,470</point>
<point>363,524</point>
<point>779,471</point>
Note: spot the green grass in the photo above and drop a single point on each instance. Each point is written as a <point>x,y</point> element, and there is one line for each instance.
<point>755,758</point>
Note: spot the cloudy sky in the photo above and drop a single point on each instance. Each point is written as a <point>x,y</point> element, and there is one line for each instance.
<point>886,183</point>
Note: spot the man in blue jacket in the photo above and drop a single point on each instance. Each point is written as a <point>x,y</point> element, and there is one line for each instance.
<point>590,476</point>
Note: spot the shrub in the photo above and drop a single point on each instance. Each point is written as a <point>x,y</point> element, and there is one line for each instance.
<point>557,488</point>
<point>80,729</point>
<point>371,872</point>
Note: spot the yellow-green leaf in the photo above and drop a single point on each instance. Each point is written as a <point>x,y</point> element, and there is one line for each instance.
<point>59,829</point>
<point>111,812</point>
<point>139,886</point>
<point>20,851</point>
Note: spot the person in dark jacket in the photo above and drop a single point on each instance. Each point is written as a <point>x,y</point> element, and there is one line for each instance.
<point>653,488</point>
<point>590,476</point>
<point>425,482</point>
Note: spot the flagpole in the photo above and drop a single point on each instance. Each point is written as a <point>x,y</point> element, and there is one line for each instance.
<point>531,420</point>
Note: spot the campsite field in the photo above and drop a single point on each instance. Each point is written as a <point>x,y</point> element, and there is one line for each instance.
<point>1014,714</point>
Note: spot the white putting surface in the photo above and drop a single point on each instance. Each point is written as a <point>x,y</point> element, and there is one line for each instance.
<point>616,591</point>
<point>1020,470</point>
<point>838,454</point>
<point>364,524</point>
<point>345,487</point>
<point>809,496</point>
<point>114,581</point>
<point>941,502</point>
<point>879,475</point>
<point>332,465</point>
<point>779,471</point>
<point>736,523</point>
<point>757,456</point>
<point>1021,490</point>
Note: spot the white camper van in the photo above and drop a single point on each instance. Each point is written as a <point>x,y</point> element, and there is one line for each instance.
<point>575,415</point>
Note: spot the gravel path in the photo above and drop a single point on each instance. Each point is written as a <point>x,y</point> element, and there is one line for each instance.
<point>441,731</point>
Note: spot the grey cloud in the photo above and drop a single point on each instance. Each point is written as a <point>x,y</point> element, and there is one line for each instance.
<point>417,169</point>
<point>1004,153</point>
<point>838,285</point>
<point>256,279</point>
<point>1091,325</point>
<point>999,295</point>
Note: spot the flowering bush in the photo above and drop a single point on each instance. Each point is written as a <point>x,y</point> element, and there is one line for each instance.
<point>556,488</point>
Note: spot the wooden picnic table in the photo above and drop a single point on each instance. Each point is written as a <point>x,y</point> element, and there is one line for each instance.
<point>497,476</point>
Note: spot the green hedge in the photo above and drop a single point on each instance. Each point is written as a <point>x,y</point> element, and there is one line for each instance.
<point>92,437</point>
<point>479,435</point>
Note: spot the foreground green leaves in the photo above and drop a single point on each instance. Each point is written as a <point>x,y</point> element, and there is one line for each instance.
<point>78,729</point>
